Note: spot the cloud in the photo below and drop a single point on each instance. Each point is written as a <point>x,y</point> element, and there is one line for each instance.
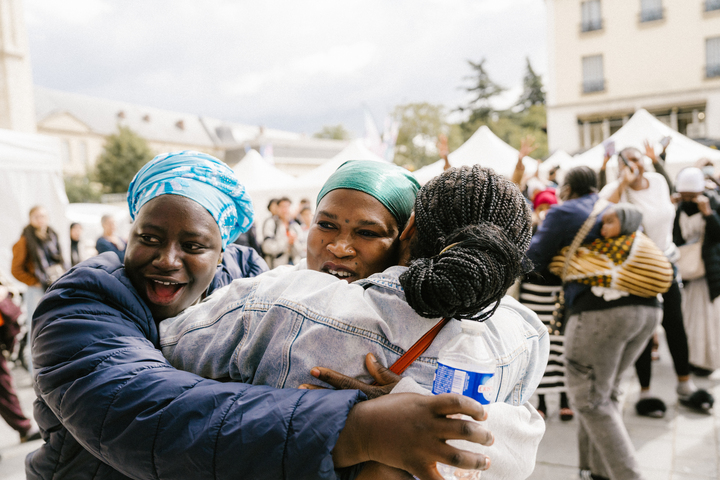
<point>68,12</point>
<point>333,64</point>
<point>283,63</point>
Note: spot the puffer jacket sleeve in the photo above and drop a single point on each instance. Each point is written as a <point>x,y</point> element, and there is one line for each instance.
<point>100,372</point>
<point>238,261</point>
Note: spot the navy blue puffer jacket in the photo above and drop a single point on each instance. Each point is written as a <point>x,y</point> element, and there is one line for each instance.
<point>110,406</point>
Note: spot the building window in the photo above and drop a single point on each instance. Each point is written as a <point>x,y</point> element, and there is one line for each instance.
<point>712,52</point>
<point>591,19</point>
<point>593,76</point>
<point>651,10</point>
<point>711,5</point>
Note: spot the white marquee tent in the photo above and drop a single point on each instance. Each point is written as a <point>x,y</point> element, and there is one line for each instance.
<point>484,148</point>
<point>682,151</point>
<point>559,158</point>
<point>278,184</point>
<point>30,174</point>
<point>258,175</point>
<point>317,177</point>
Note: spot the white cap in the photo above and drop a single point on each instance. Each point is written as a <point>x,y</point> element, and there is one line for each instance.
<point>691,180</point>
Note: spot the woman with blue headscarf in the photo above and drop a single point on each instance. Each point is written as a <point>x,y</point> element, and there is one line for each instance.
<point>110,406</point>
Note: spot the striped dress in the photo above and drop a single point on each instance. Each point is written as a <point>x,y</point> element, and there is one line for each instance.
<point>541,299</point>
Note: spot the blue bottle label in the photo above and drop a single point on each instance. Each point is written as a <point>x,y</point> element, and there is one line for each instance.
<point>471,384</point>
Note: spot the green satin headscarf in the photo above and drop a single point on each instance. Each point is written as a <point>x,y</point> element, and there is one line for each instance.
<point>391,185</point>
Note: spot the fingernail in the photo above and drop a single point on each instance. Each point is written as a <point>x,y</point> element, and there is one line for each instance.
<point>372,357</point>
<point>315,372</point>
<point>485,417</point>
<point>487,463</point>
<point>302,387</point>
<point>492,440</point>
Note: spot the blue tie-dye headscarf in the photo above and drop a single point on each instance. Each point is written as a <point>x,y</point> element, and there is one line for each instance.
<point>199,177</point>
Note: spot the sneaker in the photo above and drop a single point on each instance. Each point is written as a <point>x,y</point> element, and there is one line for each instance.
<point>30,435</point>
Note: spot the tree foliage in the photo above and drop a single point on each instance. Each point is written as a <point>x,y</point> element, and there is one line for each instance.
<point>533,92</point>
<point>483,90</point>
<point>334,132</point>
<point>512,125</point>
<point>420,126</point>
<point>124,154</point>
<point>80,189</point>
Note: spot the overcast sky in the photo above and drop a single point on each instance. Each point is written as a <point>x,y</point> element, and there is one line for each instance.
<point>289,64</point>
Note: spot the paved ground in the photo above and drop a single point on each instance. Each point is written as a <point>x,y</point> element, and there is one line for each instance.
<point>682,446</point>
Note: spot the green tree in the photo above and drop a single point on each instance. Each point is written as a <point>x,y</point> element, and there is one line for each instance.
<point>420,126</point>
<point>335,132</point>
<point>483,90</point>
<point>124,154</point>
<point>512,127</point>
<point>80,189</point>
<point>533,93</point>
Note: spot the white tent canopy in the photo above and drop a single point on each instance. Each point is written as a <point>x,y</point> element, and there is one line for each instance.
<point>307,186</point>
<point>317,177</point>
<point>258,175</point>
<point>484,148</point>
<point>30,174</point>
<point>557,159</point>
<point>682,151</point>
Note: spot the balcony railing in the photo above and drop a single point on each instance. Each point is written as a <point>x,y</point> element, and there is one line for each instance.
<point>712,71</point>
<point>590,86</point>
<point>711,5</point>
<point>651,14</point>
<point>591,25</point>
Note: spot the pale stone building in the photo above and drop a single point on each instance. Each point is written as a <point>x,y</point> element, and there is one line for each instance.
<point>609,58</point>
<point>16,90</point>
<point>83,122</point>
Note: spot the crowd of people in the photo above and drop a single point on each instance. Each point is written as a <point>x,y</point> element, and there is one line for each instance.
<point>613,261</point>
<point>174,353</point>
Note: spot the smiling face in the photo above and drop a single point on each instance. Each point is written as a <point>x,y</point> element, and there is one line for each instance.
<point>172,254</point>
<point>352,236</point>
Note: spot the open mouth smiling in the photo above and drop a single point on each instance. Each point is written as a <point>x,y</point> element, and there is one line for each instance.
<point>163,292</point>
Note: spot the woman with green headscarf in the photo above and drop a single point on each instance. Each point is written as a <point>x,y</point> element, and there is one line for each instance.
<point>361,211</point>
<point>451,253</point>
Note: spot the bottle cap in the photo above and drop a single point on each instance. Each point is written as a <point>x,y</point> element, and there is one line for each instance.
<point>472,326</point>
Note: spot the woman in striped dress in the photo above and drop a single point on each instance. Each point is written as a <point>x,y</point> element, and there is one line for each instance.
<point>540,296</point>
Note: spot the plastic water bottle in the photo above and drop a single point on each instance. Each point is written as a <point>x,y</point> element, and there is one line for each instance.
<point>466,366</point>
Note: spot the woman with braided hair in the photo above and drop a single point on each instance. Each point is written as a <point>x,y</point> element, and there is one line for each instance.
<point>458,252</point>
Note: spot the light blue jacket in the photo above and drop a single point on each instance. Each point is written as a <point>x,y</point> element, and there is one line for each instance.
<point>272,329</point>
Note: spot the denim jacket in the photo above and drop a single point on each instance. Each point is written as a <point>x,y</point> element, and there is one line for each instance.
<point>274,328</point>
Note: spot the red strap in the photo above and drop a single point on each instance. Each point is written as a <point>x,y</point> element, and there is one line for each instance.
<point>418,349</point>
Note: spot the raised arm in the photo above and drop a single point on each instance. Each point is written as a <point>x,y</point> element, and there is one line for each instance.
<point>657,164</point>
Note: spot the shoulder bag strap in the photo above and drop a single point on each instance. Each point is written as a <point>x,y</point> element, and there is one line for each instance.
<point>418,349</point>
<point>582,233</point>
